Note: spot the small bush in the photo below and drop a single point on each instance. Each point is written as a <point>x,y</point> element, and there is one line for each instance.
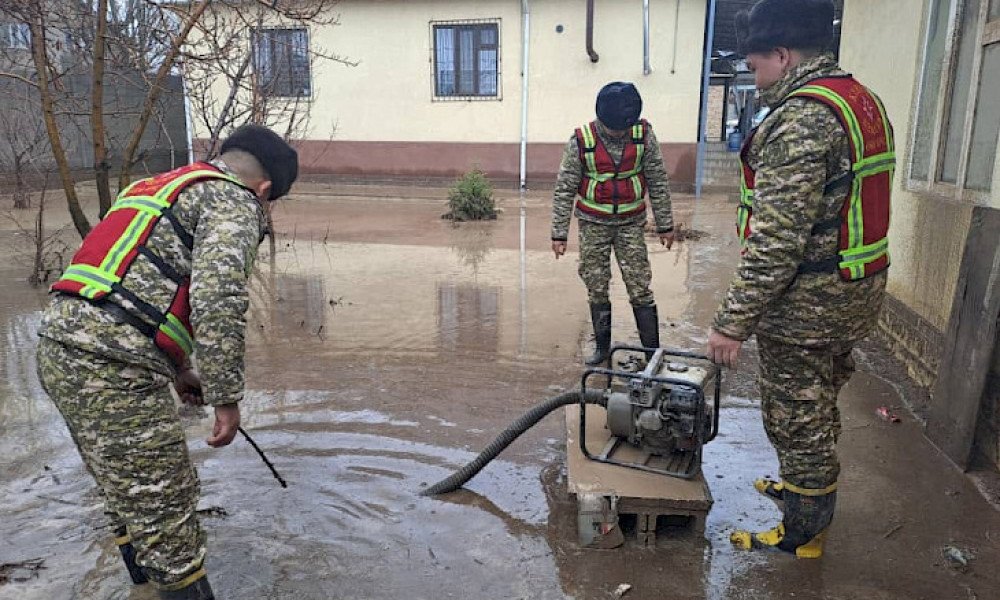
<point>471,198</point>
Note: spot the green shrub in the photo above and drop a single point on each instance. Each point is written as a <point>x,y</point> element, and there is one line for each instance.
<point>471,198</point>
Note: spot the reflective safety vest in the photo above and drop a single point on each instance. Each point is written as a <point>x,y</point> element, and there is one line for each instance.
<point>108,251</point>
<point>608,188</point>
<point>863,222</point>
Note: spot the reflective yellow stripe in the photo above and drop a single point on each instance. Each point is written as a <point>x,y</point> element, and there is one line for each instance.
<point>168,190</point>
<point>91,276</point>
<point>609,208</point>
<point>864,254</point>
<point>810,492</point>
<point>122,540</point>
<point>637,187</point>
<point>176,331</point>
<point>873,165</point>
<point>116,255</point>
<point>588,136</point>
<point>589,145</point>
<point>139,204</point>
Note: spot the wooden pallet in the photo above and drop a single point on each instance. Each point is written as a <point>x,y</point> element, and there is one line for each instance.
<point>643,502</point>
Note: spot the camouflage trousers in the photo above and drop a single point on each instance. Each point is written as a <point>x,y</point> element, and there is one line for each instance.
<point>798,390</point>
<point>125,425</point>
<point>629,243</point>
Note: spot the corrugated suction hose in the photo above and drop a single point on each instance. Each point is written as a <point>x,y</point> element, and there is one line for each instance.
<point>526,422</point>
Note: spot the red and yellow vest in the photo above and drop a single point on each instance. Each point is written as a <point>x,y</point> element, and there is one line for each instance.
<point>864,219</point>
<point>608,188</point>
<point>108,251</point>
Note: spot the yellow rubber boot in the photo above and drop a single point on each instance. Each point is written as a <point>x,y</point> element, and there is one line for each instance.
<point>772,490</point>
<point>775,538</point>
<point>808,514</point>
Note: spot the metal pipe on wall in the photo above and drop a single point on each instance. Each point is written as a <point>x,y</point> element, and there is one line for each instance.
<point>706,79</point>
<point>646,69</point>
<point>590,32</point>
<point>677,29</point>
<point>525,44</point>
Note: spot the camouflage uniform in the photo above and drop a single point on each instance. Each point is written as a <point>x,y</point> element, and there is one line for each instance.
<point>806,324</point>
<point>599,234</point>
<point>111,383</point>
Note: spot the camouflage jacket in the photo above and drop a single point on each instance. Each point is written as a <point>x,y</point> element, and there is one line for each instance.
<point>227,224</point>
<point>798,148</point>
<point>571,172</point>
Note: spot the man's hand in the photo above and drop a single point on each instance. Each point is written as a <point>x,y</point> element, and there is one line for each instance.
<point>667,239</point>
<point>227,421</point>
<point>723,350</point>
<point>558,248</point>
<point>187,384</point>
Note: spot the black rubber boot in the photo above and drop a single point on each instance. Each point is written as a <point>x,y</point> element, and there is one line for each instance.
<point>647,320</point>
<point>125,546</point>
<point>197,590</point>
<point>600,316</point>
<point>802,531</point>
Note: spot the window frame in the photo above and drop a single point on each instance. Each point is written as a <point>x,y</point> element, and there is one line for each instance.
<point>257,31</point>
<point>987,34</point>
<point>457,25</point>
<point>23,35</point>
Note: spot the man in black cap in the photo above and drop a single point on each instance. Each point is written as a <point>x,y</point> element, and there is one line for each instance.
<point>163,276</point>
<point>608,167</point>
<point>813,222</point>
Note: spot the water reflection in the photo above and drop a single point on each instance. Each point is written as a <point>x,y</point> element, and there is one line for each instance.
<point>468,318</point>
<point>472,243</point>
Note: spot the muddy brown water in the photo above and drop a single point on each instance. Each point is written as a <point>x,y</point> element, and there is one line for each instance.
<point>386,348</point>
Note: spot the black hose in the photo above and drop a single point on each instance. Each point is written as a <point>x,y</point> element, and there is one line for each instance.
<point>526,422</point>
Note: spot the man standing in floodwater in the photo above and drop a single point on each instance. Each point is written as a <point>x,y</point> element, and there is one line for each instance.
<point>813,222</point>
<point>163,276</point>
<point>608,167</point>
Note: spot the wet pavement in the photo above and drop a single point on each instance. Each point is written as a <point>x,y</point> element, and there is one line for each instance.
<point>386,348</point>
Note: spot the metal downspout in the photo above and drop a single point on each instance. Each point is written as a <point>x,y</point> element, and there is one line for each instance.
<point>646,69</point>
<point>706,79</point>
<point>590,32</point>
<point>188,120</point>
<point>525,47</point>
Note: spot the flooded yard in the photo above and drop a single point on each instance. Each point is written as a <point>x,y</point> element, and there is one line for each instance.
<point>386,347</point>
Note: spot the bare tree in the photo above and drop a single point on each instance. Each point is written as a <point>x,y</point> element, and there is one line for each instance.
<point>24,150</point>
<point>139,45</point>
<point>266,65</point>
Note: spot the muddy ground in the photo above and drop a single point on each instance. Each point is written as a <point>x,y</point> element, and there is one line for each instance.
<point>387,347</point>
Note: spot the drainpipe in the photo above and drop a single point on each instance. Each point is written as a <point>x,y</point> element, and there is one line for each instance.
<point>646,69</point>
<point>706,78</point>
<point>525,45</point>
<point>677,25</point>
<point>188,120</point>
<point>525,38</point>
<point>590,32</point>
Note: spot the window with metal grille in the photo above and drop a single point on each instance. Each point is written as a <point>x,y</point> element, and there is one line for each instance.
<point>957,124</point>
<point>15,35</point>
<point>281,62</point>
<point>466,59</point>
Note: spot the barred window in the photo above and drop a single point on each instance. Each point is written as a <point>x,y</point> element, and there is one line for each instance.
<point>15,35</point>
<point>281,62</point>
<point>466,59</point>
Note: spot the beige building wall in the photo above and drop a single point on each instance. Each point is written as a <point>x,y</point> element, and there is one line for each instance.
<point>882,45</point>
<point>385,119</point>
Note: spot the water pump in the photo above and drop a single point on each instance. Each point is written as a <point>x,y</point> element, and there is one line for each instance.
<point>660,408</point>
